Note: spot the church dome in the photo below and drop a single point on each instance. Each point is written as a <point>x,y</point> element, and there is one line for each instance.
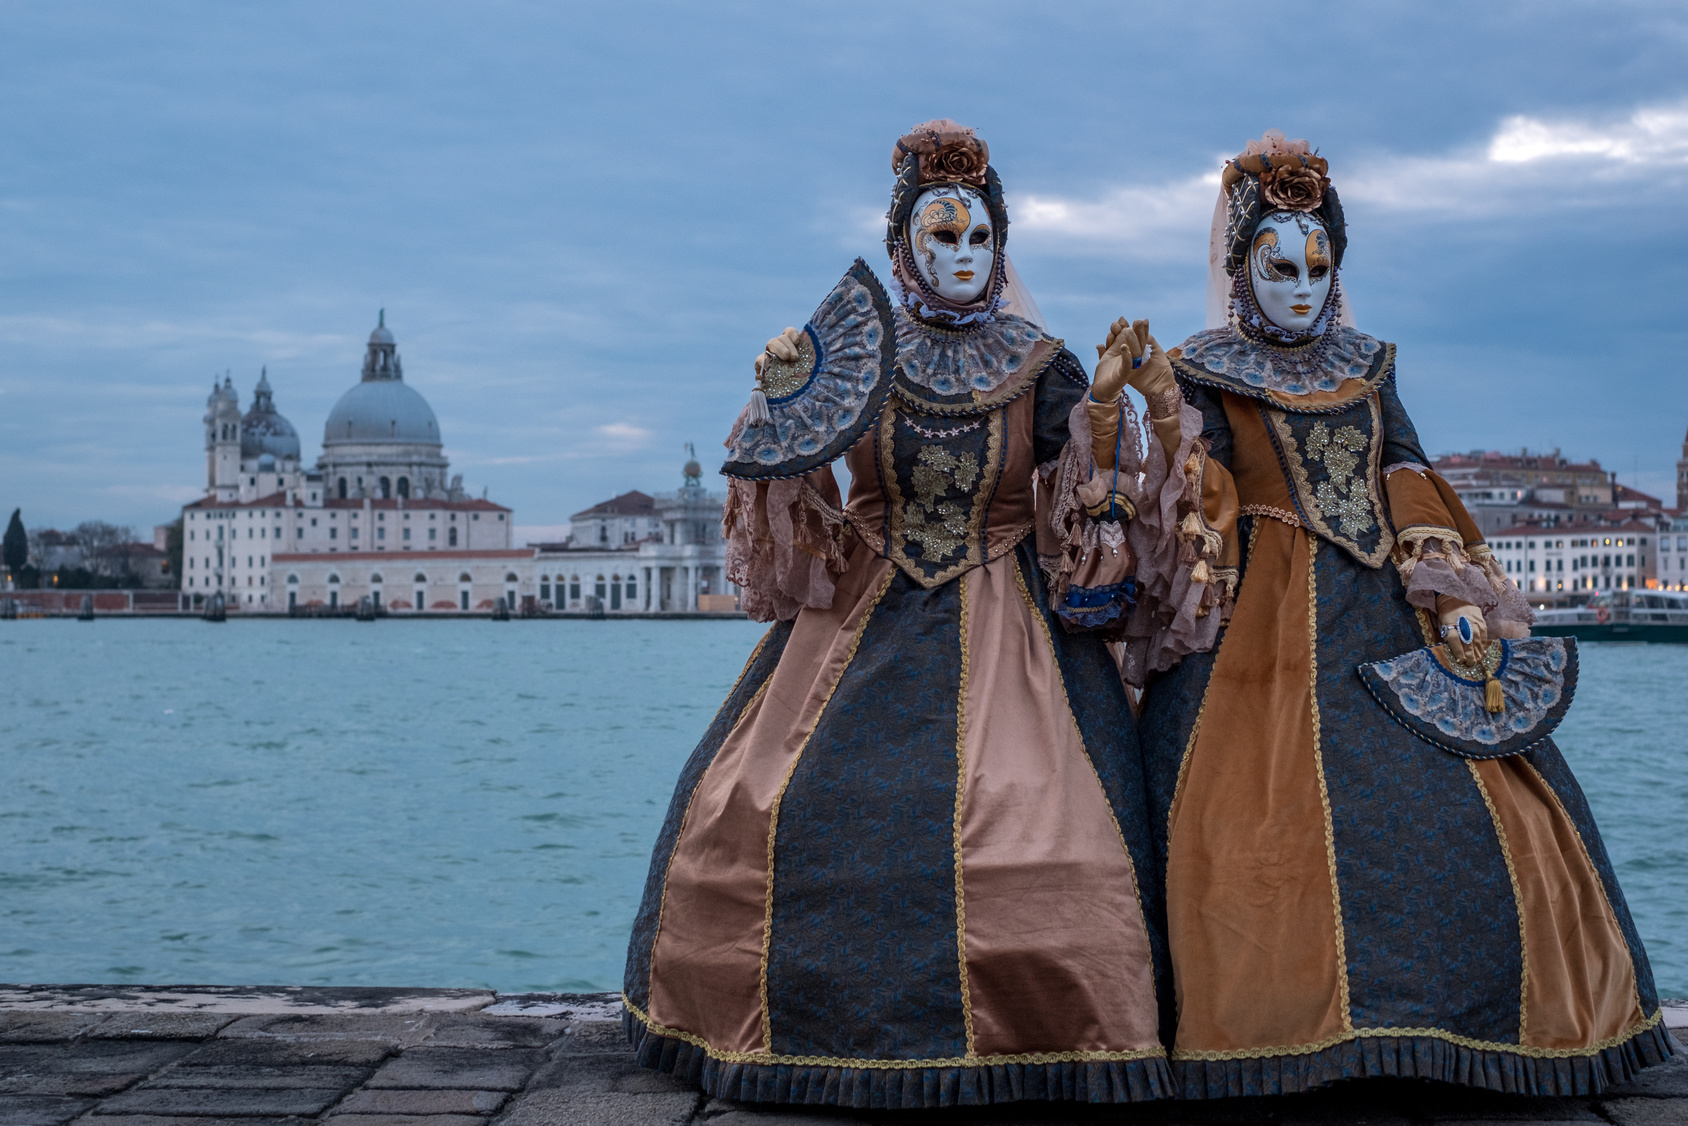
<point>263,431</point>
<point>381,407</point>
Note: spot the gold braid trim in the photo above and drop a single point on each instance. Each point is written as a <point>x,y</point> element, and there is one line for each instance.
<point>955,827</point>
<point>770,1059</point>
<point>1279,514</point>
<point>774,814</point>
<point>1424,1033</point>
<point>1319,765</point>
<point>1517,902</point>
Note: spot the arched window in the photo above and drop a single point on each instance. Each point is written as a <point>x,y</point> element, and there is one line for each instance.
<point>404,487</point>
<point>452,540</point>
<point>386,488</point>
<point>341,487</point>
<point>293,580</point>
<point>376,577</point>
<point>333,578</point>
<point>510,577</point>
<point>420,577</point>
<point>464,577</point>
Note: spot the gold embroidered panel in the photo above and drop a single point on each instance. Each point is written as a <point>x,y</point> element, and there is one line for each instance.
<point>1332,462</point>
<point>939,475</point>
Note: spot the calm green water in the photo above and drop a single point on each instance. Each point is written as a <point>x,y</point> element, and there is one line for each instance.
<point>473,803</point>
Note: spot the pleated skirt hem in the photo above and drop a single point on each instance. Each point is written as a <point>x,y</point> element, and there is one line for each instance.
<point>1426,1057</point>
<point>900,1088</point>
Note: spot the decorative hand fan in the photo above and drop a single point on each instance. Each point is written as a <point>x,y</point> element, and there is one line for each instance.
<point>822,403</point>
<point>1451,706</point>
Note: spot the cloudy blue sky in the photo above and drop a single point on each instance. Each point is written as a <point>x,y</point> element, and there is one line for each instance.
<point>583,218</point>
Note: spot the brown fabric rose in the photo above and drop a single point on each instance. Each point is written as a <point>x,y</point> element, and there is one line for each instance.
<point>947,151</point>
<point>1293,188</point>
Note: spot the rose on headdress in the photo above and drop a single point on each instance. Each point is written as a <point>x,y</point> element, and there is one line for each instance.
<point>946,151</point>
<point>1294,187</point>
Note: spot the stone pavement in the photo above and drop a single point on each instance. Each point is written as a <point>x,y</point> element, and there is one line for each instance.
<point>201,1056</point>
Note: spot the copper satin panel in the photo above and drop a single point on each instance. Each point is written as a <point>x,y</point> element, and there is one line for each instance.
<point>1057,955</point>
<point>706,969</point>
<point>1259,478</point>
<point>1580,986</point>
<point>1250,895</point>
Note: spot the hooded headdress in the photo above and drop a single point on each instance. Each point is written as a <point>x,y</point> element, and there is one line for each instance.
<point>937,154</point>
<point>1271,174</point>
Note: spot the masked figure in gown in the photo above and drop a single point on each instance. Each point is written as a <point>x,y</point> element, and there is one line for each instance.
<point>909,865</point>
<point>1344,899</point>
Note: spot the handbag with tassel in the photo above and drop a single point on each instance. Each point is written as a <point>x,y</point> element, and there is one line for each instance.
<point>1507,705</point>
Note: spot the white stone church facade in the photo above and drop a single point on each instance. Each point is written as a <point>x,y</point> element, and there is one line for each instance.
<point>377,516</point>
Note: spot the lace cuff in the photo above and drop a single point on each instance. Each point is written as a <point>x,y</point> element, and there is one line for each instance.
<point>1434,561</point>
<point>784,545</point>
<point>1184,540</point>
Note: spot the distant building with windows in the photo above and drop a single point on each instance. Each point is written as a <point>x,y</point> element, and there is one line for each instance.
<point>1546,562</point>
<point>378,517</point>
<point>271,534</point>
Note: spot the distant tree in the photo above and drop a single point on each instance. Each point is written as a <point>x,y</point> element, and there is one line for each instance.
<point>105,547</point>
<point>173,554</point>
<point>16,551</point>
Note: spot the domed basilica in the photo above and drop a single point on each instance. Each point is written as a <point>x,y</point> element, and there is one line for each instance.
<point>273,536</point>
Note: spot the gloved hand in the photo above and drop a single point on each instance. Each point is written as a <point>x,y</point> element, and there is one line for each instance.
<point>1128,344</point>
<point>781,347</point>
<point>1449,611</point>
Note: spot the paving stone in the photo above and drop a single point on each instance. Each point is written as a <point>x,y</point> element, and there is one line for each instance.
<point>476,1031</point>
<point>83,1068</point>
<point>784,1116</point>
<point>589,1036</point>
<point>597,1108</point>
<point>38,1110</point>
<point>505,1069</point>
<point>398,1029</point>
<point>244,1102</point>
<point>232,1076</point>
<point>412,1120</point>
<point>160,1026</point>
<point>600,1072</point>
<point>1646,1112</point>
<point>421,1102</point>
<point>41,1028</point>
<point>1669,1080</point>
<point>196,1120</point>
<point>283,1053</point>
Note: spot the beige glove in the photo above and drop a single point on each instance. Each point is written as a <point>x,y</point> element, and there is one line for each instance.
<point>781,347</point>
<point>1449,611</point>
<point>1129,343</point>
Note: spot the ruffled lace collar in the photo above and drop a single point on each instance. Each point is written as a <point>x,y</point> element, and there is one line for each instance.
<point>1322,365</point>
<point>985,363</point>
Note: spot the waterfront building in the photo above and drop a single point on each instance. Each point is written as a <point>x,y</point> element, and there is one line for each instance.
<point>642,554</point>
<point>268,528</point>
<point>1554,565</point>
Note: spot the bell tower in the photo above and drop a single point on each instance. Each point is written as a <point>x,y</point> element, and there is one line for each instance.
<point>222,441</point>
<point>1682,478</point>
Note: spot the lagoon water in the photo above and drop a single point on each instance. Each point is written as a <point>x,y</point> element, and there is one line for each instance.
<point>473,803</point>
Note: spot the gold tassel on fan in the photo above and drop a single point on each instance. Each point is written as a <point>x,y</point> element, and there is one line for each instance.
<point>1492,696</point>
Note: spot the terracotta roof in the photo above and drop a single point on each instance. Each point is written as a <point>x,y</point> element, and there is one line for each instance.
<point>387,504</point>
<point>634,503</point>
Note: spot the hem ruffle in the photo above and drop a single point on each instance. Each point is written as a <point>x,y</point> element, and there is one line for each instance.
<point>1426,1057</point>
<point>900,1088</point>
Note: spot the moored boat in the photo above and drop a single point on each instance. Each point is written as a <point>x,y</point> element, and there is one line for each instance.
<point>1620,615</point>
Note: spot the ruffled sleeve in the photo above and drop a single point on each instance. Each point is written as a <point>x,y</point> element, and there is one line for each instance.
<point>784,543</point>
<point>1184,538</point>
<point>1082,507</point>
<point>1439,551</point>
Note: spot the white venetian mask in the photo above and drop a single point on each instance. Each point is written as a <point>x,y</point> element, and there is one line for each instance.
<point>1289,268</point>
<point>950,237</point>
